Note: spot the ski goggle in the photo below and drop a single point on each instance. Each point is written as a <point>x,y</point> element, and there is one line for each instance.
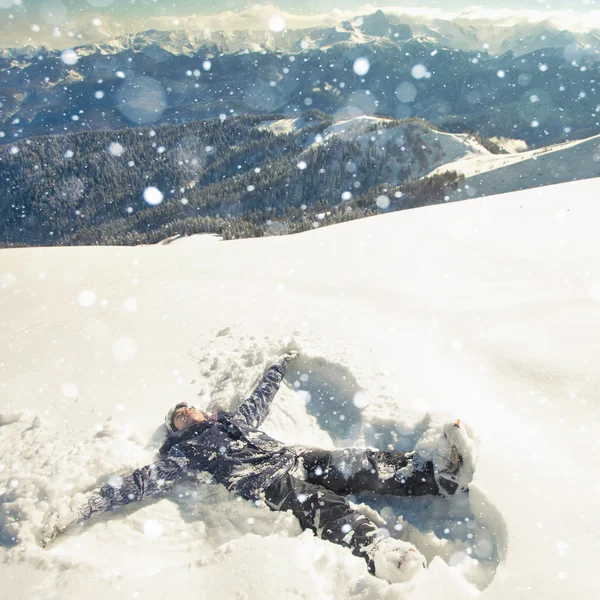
<point>170,418</point>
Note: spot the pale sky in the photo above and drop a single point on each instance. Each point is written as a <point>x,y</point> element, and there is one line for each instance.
<point>66,23</point>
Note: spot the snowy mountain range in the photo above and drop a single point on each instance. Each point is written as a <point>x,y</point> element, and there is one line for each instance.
<point>544,96</point>
<point>466,34</point>
<point>469,76</point>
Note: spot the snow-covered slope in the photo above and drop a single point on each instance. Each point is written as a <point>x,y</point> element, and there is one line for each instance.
<point>454,146</point>
<point>487,309</point>
<point>283,126</point>
<point>488,174</point>
<point>426,149</point>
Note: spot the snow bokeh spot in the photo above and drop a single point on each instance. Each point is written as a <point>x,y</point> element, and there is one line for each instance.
<point>130,305</point>
<point>406,92</point>
<point>276,23</point>
<point>115,149</point>
<point>152,528</point>
<point>361,400</point>
<point>419,71</point>
<point>115,481</point>
<point>382,201</point>
<point>69,56</point>
<point>86,298</point>
<point>153,196</point>
<point>141,100</point>
<point>361,66</point>
<point>69,390</point>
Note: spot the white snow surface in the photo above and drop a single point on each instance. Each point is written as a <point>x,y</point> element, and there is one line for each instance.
<point>487,310</point>
<point>283,126</point>
<point>488,174</point>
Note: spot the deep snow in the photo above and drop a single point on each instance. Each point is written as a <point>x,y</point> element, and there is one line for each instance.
<point>486,309</point>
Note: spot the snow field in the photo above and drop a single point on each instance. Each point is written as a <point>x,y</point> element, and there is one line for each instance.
<point>485,310</point>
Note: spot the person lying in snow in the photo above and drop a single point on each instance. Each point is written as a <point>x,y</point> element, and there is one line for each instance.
<point>308,481</point>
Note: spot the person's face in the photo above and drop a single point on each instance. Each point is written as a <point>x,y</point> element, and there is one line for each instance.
<point>186,416</point>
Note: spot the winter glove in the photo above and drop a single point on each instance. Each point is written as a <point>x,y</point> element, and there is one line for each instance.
<point>63,517</point>
<point>290,355</point>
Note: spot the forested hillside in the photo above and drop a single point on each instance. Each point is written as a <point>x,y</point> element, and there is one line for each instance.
<point>230,177</point>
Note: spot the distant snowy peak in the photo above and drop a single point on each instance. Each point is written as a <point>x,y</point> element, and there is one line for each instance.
<point>463,33</point>
<point>379,25</point>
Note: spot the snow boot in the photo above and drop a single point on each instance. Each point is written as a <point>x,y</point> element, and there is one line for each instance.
<point>396,561</point>
<point>457,457</point>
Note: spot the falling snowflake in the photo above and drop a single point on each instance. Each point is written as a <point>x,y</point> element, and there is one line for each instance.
<point>115,481</point>
<point>361,66</point>
<point>69,390</point>
<point>130,305</point>
<point>276,23</point>
<point>382,201</point>
<point>86,298</point>
<point>420,71</point>
<point>406,92</point>
<point>360,400</point>
<point>153,196</point>
<point>69,56</point>
<point>115,149</point>
<point>152,528</point>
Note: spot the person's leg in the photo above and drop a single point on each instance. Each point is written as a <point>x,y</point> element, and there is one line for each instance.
<point>354,470</point>
<point>330,517</point>
<point>322,511</point>
<point>443,463</point>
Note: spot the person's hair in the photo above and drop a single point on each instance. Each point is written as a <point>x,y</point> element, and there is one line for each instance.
<point>170,418</point>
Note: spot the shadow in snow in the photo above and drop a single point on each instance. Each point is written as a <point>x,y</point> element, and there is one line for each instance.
<point>328,389</point>
<point>393,435</point>
<point>447,527</point>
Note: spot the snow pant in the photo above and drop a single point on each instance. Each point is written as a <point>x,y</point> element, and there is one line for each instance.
<point>316,502</point>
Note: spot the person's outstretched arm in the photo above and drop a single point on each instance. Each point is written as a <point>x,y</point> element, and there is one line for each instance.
<point>255,409</point>
<point>145,481</point>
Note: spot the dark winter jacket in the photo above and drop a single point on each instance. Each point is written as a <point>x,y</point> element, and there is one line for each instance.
<point>230,448</point>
